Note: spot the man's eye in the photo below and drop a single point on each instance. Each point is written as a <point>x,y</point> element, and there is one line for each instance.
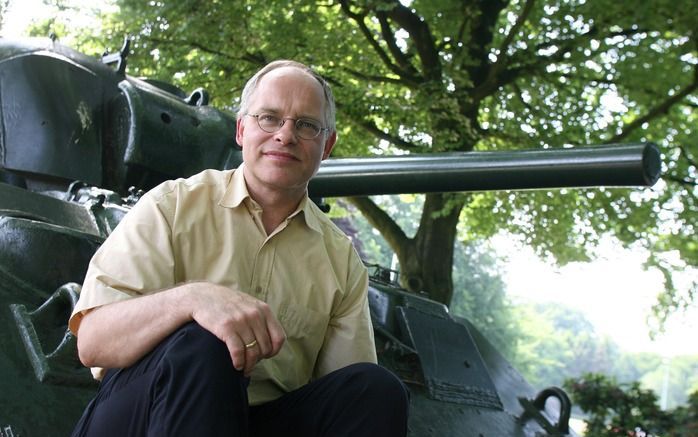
<point>268,118</point>
<point>307,124</point>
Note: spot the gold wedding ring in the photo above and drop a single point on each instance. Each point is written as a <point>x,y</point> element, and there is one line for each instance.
<point>253,343</point>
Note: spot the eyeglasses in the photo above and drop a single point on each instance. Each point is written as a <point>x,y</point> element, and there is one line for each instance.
<point>306,128</point>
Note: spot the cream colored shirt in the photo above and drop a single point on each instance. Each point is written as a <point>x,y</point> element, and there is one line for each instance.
<point>208,228</point>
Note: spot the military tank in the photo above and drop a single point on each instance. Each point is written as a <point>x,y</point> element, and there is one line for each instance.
<point>81,140</point>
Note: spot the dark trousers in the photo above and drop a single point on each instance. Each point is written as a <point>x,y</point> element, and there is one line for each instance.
<point>187,386</point>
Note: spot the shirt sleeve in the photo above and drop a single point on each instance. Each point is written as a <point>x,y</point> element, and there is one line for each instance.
<point>349,337</point>
<point>137,258</point>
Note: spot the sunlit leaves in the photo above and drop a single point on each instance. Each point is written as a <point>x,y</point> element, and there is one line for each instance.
<point>615,409</point>
<point>503,75</point>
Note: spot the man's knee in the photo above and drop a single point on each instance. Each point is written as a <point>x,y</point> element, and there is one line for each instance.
<point>192,337</point>
<point>375,401</point>
<point>196,366</point>
<point>195,349</point>
<point>378,384</point>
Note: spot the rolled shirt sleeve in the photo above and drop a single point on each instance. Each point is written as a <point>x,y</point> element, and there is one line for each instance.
<point>349,336</point>
<point>137,256</point>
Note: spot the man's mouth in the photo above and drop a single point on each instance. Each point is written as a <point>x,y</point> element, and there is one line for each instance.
<point>279,155</point>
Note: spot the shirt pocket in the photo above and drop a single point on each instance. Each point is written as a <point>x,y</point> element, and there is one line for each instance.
<point>305,331</point>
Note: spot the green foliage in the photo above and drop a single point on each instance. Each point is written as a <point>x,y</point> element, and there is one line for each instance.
<point>480,296</point>
<point>554,343</point>
<point>678,375</point>
<point>444,75</point>
<point>628,410</point>
<point>558,342</point>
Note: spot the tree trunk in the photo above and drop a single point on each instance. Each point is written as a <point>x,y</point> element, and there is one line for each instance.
<point>428,265</point>
<point>426,261</point>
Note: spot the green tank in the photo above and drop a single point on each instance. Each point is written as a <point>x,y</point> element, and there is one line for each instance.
<point>80,141</point>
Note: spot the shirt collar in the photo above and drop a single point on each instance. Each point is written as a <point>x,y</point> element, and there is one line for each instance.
<point>310,214</point>
<point>236,192</point>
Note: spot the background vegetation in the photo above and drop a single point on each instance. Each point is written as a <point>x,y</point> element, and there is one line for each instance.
<point>427,76</point>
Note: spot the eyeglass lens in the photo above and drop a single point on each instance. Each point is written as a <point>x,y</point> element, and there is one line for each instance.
<point>305,128</point>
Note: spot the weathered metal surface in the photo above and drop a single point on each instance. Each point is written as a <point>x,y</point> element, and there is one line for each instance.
<point>451,363</point>
<point>535,410</point>
<point>607,165</point>
<point>17,202</point>
<point>36,259</point>
<point>68,117</point>
<point>51,349</point>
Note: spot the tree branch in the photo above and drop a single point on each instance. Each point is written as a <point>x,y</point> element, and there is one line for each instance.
<point>519,94</point>
<point>421,37</point>
<point>589,79</point>
<point>481,35</point>
<point>691,162</point>
<point>658,110</point>
<point>380,134</point>
<point>593,31</point>
<point>359,19</point>
<point>390,230</point>
<point>389,38</point>
<point>686,156</point>
<point>540,62</point>
<point>520,20</point>
<point>461,31</point>
<point>253,58</point>
<point>503,57</point>
<point>682,181</point>
<point>378,79</point>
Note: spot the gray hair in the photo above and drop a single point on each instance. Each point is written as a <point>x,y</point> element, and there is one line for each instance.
<point>251,87</point>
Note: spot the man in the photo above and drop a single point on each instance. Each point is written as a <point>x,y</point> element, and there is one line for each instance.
<point>227,304</point>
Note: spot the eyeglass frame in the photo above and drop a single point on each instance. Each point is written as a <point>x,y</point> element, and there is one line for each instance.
<point>283,121</point>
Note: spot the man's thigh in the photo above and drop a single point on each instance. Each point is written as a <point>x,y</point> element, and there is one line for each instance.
<point>111,413</point>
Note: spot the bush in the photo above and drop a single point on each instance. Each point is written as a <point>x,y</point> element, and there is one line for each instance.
<point>628,410</point>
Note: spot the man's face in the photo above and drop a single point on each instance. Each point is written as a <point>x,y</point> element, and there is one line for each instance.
<point>281,161</point>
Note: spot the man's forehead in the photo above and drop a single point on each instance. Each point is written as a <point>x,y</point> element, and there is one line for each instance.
<point>304,84</point>
<point>290,71</point>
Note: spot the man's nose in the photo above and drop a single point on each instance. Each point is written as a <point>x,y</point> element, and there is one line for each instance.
<point>287,132</point>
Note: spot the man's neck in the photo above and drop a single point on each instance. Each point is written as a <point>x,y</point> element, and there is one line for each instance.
<point>273,216</point>
<point>276,205</point>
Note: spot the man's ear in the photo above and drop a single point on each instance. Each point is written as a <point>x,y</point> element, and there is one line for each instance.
<point>329,144</point>
<point>239,128</point>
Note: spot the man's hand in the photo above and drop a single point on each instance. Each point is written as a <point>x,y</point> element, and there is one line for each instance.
<point>237,319</point>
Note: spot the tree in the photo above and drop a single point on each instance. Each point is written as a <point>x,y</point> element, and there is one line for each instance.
<point>3,8</point>
<point>628,410</point>
<point>427,76</point>
<point>558,342</point>
<point>675,378</point>
<point>481,297</point>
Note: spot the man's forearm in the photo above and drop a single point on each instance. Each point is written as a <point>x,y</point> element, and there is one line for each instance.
<point>119,334</point>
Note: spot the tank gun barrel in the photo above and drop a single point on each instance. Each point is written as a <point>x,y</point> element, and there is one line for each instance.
<point>637,164</point>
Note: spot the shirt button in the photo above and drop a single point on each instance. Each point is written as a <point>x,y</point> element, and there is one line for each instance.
<point>258,290</point>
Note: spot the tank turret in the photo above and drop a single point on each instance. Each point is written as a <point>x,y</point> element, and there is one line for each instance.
<point>80,140</point>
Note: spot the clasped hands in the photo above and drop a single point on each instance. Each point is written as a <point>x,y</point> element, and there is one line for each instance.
<point>245,324</point>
